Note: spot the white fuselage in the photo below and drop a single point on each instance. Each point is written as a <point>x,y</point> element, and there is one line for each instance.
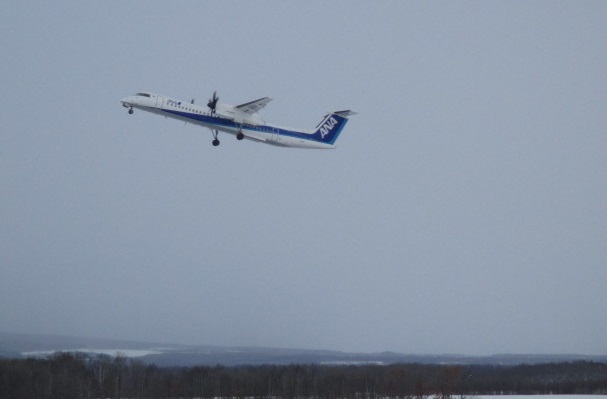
<point>227,119</point>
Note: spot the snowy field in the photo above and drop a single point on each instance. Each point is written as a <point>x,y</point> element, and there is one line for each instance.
<point>539,397</point>
<point>110,352</point>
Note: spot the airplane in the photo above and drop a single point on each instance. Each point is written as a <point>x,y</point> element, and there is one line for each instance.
<point>241,120</point>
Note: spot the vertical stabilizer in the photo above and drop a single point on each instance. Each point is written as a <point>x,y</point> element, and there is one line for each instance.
<point>330,127</point>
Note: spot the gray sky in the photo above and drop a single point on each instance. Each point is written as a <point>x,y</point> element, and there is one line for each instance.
<point>464,210</point>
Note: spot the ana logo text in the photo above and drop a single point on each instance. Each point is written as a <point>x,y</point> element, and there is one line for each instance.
<point>327,126</point>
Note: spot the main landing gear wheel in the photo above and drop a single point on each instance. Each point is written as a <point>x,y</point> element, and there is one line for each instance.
<point>240,136</point>
<point>215,139</point>
<point>130,111</point>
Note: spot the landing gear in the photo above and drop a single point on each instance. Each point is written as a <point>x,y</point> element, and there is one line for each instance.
<point>215,143</point>
<point>131,111</point>
<point>215,139</point>
<point>240,136</point>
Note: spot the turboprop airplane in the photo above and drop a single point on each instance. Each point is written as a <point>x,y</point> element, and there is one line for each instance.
<point>242,120</point>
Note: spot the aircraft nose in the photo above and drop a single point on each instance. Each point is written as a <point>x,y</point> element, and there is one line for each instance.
<point>127,100</point>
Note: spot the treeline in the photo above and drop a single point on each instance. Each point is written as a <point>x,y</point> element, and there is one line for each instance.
<point>80,376</point>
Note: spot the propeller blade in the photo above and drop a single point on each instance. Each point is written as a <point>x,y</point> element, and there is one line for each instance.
<point>212,104</point>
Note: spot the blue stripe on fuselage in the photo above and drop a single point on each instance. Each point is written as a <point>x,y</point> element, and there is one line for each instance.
<point>223,122</point>
<point>212,120</point>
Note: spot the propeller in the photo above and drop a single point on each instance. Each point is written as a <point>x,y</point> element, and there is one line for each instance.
<point>212,104</point>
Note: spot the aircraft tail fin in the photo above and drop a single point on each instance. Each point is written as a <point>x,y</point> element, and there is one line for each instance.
<point>331,125</point>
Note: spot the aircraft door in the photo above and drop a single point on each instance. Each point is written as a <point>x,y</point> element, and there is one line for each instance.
<point>159,101</point>
<point>275,135</point>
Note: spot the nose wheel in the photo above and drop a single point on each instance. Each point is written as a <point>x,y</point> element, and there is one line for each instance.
<point>240,136</point>
<point>129,107</point>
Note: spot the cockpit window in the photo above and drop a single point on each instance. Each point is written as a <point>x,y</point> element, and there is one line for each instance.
<point>143,94</point>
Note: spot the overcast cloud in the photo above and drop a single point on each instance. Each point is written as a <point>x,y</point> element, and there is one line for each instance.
<point>464,210</point>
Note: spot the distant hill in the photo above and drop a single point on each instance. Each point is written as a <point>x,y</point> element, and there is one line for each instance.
<point>171,355</point>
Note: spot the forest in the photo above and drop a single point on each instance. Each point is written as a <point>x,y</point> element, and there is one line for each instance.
<point>79,376</point>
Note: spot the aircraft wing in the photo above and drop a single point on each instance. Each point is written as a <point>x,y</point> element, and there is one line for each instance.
<point>253,106</point>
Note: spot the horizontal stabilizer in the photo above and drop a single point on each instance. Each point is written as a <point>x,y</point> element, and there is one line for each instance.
<point>345,113</point>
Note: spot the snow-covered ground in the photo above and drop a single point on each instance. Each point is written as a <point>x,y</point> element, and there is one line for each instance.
<point>109,352</point>
<point>539,397</point>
